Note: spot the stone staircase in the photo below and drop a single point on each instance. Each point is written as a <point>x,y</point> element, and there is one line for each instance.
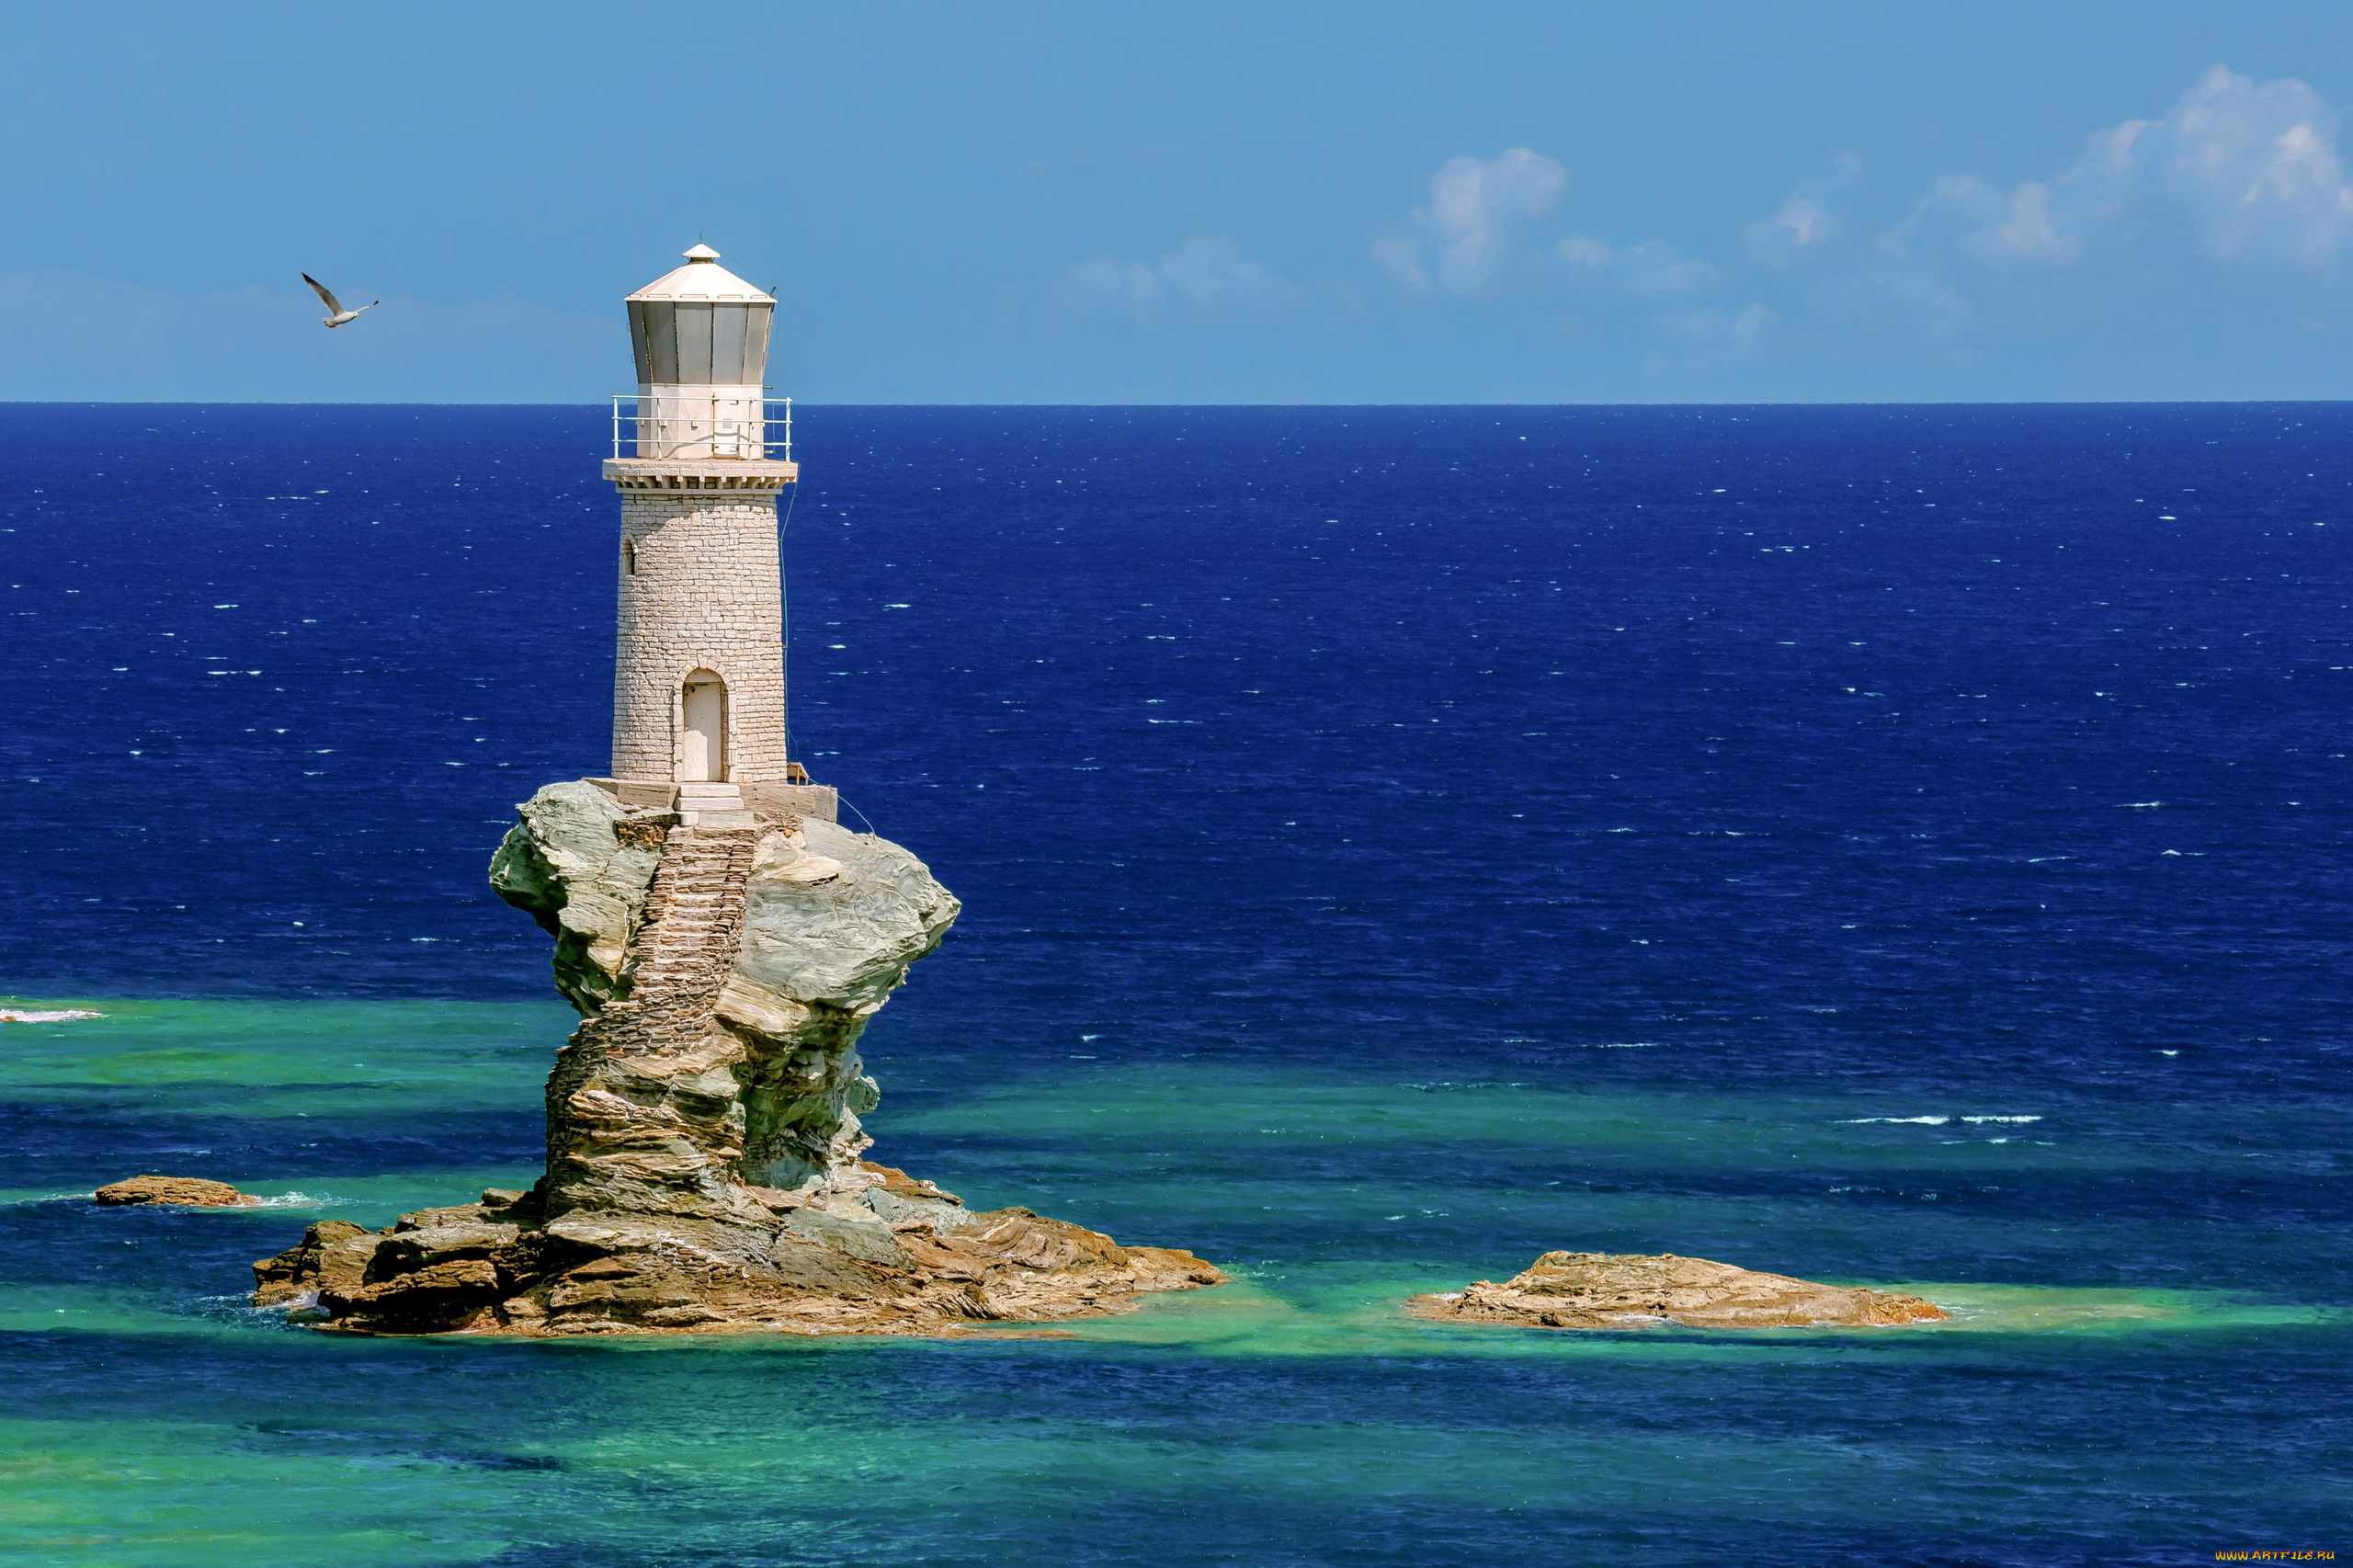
<point>685,951</point>
<point>679,960</point>
<point>712,805</point>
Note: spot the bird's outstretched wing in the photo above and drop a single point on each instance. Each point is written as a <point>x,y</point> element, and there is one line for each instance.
<point>321,290</point>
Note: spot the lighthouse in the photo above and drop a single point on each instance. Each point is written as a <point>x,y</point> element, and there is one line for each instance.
<point>699,672</point>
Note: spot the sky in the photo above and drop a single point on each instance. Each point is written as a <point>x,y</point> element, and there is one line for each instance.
<point>1270,202</point>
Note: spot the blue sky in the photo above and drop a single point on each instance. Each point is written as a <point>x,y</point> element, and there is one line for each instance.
<point>1206,202</point>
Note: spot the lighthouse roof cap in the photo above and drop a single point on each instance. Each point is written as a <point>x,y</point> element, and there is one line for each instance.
<point>702,279</point>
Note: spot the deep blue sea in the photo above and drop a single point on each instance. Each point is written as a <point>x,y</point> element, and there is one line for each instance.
<point>1896,846</point>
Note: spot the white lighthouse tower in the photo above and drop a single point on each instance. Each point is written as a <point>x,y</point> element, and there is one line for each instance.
<point>698,697</point>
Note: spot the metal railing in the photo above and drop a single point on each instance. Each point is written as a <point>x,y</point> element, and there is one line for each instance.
<point>677,427</point>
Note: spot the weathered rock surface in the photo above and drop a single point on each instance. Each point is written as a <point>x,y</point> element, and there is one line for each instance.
<point>831,1265</point>
<point>192,1191</point>
<point>704,1169</point>
<point>1592,1289</point>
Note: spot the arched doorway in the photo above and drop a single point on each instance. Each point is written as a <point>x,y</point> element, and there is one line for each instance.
<point>703,706</point>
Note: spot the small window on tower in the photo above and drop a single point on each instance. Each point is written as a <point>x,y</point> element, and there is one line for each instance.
<point>628,556</point>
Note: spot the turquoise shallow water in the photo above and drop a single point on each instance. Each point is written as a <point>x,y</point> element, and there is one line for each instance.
<point>1295,1415</point>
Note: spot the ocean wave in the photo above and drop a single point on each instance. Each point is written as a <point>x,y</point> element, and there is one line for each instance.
<point>1481,1084</point>
<point>1930,1121</point>
<point>1585,1045</point>
<point>253,1201</point>
<point>44,1014</point>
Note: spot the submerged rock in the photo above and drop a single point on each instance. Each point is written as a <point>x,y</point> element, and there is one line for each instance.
<point>1592,1290</point>
<point>194,1192</point>
<point>704,1168</point>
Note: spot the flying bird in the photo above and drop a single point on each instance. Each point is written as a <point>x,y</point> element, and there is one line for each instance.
<point>336,314</point>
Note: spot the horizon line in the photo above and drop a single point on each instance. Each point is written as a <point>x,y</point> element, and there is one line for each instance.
<point>601,406</point>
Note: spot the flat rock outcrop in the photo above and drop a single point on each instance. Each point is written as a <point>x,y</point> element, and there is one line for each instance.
<point>193,1192</point>
<point>705,1167</point>
<point>1592,1290</point>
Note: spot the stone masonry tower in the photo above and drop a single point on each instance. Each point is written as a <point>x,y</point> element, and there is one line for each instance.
<point>699,699</point>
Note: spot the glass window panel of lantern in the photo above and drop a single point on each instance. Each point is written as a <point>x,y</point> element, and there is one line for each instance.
<point>755,344</point>
<point>694,344</point>
<point>641,340</point>
<point>727,345</point>
<point>662,336</point>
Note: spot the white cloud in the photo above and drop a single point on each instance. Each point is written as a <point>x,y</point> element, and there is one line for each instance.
<point>2256,167</point>
<point>2248,172</point>
<point>1203,273</point>
<point>1811,222</point>
<point>1687,325</point>
<point>1469,230</point>
<point>1651,271</point>
<point>2233,204</point>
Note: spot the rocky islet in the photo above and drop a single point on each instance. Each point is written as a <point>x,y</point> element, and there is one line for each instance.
<point>704,1167</point>
<point>186,1192</point>
<point>1605,1291</point>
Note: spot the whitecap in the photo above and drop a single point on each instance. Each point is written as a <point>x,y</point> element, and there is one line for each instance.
<point>1481,1084</point>
<point>44,1015</point>
<point>1931,1120</point>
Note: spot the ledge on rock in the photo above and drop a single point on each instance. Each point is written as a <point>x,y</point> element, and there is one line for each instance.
<point>1592,1289</point>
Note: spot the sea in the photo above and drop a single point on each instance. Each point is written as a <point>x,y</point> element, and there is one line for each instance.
<point>1900,846</point>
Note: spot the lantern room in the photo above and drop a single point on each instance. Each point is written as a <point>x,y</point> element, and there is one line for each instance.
<point>701,338</point>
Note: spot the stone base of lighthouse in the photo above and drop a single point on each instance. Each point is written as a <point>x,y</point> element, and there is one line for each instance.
<point>774,802</point>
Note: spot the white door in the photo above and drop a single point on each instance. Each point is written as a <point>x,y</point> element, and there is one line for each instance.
<point>705,758</point>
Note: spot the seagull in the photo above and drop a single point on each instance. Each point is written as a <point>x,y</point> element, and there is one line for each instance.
<point>339,315</point>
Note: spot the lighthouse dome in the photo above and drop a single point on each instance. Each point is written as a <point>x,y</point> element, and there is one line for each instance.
<point>701,279</point>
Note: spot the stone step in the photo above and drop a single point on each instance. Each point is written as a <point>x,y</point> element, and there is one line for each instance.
<point>686,949</point>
